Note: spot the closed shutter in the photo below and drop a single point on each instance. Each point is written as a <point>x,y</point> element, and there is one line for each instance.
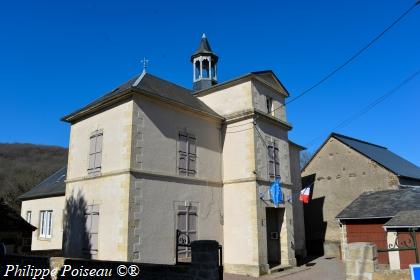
<point>276,159</point>
<point>192,157</point>
<point>92,230</point>
<point>98,151</point>
<point>271,168</point>
<point>183,153</point>
<point>92,152</point>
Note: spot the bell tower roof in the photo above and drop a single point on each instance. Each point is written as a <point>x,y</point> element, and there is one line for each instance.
<point>204,49</point>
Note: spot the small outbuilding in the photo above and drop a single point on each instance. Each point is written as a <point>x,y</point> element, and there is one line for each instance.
<point>15,232</point>
<point>390,219</point>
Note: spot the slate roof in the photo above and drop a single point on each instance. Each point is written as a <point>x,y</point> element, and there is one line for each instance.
<point>52,186</point>
<point>382,155</point>
<point>382,204</point>
<point>204,48</point>
<point>405,219</point>
<point>154,86</point>
<point>10,219</point>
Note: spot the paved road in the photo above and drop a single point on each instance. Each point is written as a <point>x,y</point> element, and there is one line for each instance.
<point>318,269</point>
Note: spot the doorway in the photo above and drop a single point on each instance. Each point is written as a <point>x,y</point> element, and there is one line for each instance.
<point>274,218</point>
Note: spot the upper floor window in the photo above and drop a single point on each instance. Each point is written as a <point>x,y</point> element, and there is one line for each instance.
<point>95,152</point>
<point>273,160</point>
<point>269,104</point>
<point>187,156</point>
<point>45,224</point>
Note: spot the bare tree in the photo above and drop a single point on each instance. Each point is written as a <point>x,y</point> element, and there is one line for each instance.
<point>305,157</point>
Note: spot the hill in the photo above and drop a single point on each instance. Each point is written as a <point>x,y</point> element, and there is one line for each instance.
<point>23,166</point>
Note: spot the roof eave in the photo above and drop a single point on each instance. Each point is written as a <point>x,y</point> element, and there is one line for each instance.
<point>81,113</point>
<point>32,197</point>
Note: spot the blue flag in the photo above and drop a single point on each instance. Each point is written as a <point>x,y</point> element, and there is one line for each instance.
<point>275,192</point>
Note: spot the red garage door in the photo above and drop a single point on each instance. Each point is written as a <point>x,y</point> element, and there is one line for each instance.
<point>369,231</point>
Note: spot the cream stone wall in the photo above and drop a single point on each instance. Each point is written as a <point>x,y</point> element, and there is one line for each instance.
<point>111,194</point>
<point>116,123</point>
<point>241,237</point>
<point>156,127</point>
<point>244,162</point>
<point>56,204</point>
<point>298,220</point>
<point>260,91</point>
<point>341,175</point>
<point>231,100</point>
<point>110,189</point>
<point>238,152</point>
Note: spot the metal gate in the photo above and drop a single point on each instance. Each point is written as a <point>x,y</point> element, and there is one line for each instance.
<point>403,245</point>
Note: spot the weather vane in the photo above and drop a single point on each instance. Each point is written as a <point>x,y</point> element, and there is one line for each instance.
<point>145,63</point>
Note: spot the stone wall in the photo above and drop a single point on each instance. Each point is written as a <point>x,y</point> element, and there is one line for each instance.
<point>362,264</point>
<point>361,261</point>
<point>204,266</point>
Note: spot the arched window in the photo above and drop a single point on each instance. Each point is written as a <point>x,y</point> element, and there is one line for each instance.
<point>197,70</point>
<point>213,69</point>
<point>205,68</point>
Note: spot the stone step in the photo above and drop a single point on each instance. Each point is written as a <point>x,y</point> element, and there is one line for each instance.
<point>277,268</point>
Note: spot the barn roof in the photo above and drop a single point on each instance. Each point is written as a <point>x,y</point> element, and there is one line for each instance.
<point>382,155</point>
<point>52,186</point>
<point>381,204</point>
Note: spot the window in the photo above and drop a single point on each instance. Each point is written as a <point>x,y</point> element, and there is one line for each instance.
<point>273,160</point>
<point>92,226</point>
<point>269,103</point>
<point>28,216</point>
<point>45,224</point>
<point>95,152</point>
<point>187,224</point>
<point>187,154</point>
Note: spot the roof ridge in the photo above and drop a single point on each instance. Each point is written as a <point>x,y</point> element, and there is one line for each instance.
<point>169,82</point>
<point>358,140</point>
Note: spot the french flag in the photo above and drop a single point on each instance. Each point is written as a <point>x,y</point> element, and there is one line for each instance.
<point>304,195</point>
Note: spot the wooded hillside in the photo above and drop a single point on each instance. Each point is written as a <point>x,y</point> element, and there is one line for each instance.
<point>23,166</point>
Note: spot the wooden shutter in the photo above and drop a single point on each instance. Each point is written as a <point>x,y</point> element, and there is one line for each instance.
<point>98,150</point>
<point>271,168</point>
<point>182,153</point>
<point>276,159</point>
<point>192,156</point>
<point>94,229</point>
<point>92,152</point>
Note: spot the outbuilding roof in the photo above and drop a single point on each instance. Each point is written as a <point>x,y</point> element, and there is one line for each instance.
<point>405,219</point>
<point>52,186</point>
<point>382,204</point>
<point>10,220</point>
<point>148,84</point>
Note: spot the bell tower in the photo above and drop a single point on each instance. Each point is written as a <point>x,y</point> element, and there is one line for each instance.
<point>204,66</point>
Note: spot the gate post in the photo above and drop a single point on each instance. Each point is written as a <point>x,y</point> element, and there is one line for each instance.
<point>205,259</point>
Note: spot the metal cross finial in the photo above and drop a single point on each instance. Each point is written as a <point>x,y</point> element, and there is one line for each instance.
<point>145,63</point>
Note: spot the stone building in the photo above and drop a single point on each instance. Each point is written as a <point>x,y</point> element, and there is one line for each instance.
<point>43,207</point>
<point>152,157</point>
<point>339,171</point>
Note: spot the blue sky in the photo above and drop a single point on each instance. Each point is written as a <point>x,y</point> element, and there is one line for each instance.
<point>56,56</point>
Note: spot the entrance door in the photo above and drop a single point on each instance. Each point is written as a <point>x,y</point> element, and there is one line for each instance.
<point>274,218</point>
